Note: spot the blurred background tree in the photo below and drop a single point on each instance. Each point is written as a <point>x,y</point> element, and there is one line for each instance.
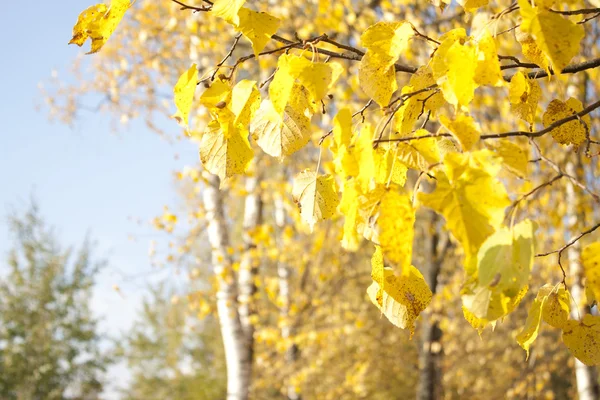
<point>50,347</point>
<point>171,354</point>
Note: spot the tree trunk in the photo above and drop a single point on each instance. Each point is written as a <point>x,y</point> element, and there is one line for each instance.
<point>586,377</point>
<point>430,349</point>
<point>249,263</point>
<point>283,272</point>
<point>238,367</point>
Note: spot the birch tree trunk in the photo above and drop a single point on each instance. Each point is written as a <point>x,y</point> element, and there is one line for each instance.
<point>238,367</point>
<point>587,377</point>
<point>283,273</point>
<point>430,349</point>
<point>249,263</point>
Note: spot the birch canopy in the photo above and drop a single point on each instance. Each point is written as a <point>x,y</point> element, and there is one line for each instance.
<point>369,116</point>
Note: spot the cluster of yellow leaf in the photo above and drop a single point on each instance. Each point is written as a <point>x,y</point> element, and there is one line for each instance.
<point>385,42</point>
<point>98,23</point>
<point>257,27</point>
<point>554,37</point>
<point>552,306</point>
<point>461,64</point>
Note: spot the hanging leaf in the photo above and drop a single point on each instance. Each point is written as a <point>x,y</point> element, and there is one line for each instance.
<point>582,338</point>
<point>401,299</point>
<point>316,197</point>
<point>257,27</point>
<point>184,95</point>
<point>98,23</point>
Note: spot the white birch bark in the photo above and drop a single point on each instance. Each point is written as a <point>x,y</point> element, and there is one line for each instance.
<point>249,263</point>
<point>283,272</point>
<point>238,369</point>
<point>587,378</point>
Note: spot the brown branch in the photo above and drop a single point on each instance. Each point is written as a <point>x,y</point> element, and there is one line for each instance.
<point>534,190</point>
<point>534,134</point>
<point>569,69</point>
<point>572,242</point>
<point>361,112</point>
<point>193,8</point>
<point>565,247</point>
<point>231,49</point>
<point>578,12</point>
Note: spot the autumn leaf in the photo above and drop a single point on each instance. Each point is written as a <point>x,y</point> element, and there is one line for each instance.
<point>257,27</point>
<point>557,36</point>
<point>582,338</point>
<point>470,197</point>
<point>402,298</point>
<point>591,265</point>
<point>224,150</point>
<point>184,95</point>
<point>464,129</point>
<point>98,23</point>
<point>524,95</point>
<point>385,42</point>
<point>396,229</point>
<point>573,132</point>
<point>228,10</point>
<point>316,196</point>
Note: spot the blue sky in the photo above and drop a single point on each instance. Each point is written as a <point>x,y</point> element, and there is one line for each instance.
<point>86,179</point>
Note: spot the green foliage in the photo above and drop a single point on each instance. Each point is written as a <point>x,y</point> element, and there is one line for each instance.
<point>49,343</point>
<point>173,355</point>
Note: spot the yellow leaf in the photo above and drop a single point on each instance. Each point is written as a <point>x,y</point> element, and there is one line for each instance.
<point>364,154</point>
<point>396,229</point>
<point>488,66</point>
<point>439,66</point>
<point>98,23</point>
<point>488,305</point>
<point>470,5</point>
<point>80,29</point>
<point>556,36</point>
<point>316,197</point>
<point>228,10</point>
<point>385,42</point>
<point>532,51</point>
<point>378,271</point>
<point>464,129</point>
<point>245,100</point>
<point>470,197</point>
<point>574,132</point>
<point>514,157</point>
<point>532,326</point>
<point>280,88</point>
<point>388,167</point>
<point>419,154</point>
<point>557,306</point>
<point>349,208</point>
<point>224,151</point>
<point>184,95</point>
<point>582,338</point>
<point>458,85</point>
<point>402,298</point>
<point>504,260</point>
<point>317,77</point>
<point>258,27</point>
<point>524,95</point>
<point>591,264</point>
<point>280,135</point>
<point>217,96</point>
<point>342,127</point>
<point>412,108</point>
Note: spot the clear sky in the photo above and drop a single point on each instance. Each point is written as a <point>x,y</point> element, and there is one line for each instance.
<point>86,179</point>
